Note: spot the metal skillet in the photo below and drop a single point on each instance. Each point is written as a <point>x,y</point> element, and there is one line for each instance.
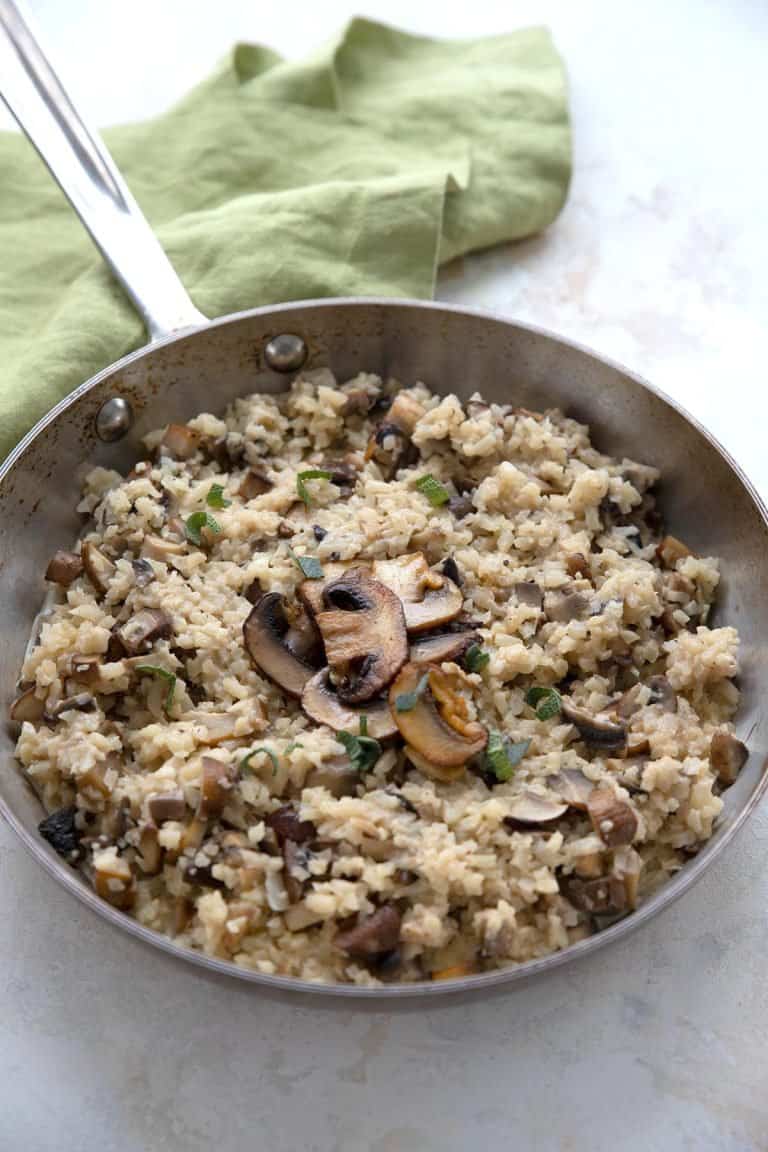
<point>191,364</point>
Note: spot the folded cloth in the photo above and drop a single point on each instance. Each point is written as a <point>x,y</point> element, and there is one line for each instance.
<point>354,172</point>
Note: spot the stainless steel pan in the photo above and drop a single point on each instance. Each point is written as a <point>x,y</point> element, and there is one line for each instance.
<point>192,365</point>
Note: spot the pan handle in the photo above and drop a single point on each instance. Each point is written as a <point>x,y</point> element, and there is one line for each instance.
<point>88,177</point>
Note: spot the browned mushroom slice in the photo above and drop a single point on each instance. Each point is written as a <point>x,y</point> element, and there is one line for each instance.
<point>440,649</point>
<point>628,704</point>
<point>530,808</point>
<point>322,705</point>
<point>179,442</point>
<point>363,631</point>
<point>63,568</point>
<point>573,786</point>
<point>27,706</point>
<point>379,932</point>
<point>254,484</point>
<point>150,854</point>
<point>310,592</point>
<point>670,550</point>
<point>303,639</point>
<point>140,631</point>
<point>529,593</point>
<point>562,607</point>
<point>83,669</point>
<point>98,568</point>
<point>595,731</point>
<point>391,448</point>
<point>339,776</point>
<point>158,548</point>
<point>80,702</point>
<point>434,728</point>
<point>215,787</point>
<point>605,896</point>
<point>434,771</point>
<point>727,756</point>
<point>264,635</point>
<point>429,600</point>
<point>612,819</point>
<point>286,825</point>
<point>167,806</point>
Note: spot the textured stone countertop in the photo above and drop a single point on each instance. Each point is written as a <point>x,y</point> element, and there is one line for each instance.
<point>657,1043</point>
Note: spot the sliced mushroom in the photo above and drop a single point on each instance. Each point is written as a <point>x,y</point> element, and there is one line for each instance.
<point>573,786</point>
<point>339,776</point>
<point>391,448</point>
<point>98,568</point>
<point>596,731</point>
<point>63,568</point>
<point>80,702</point>
<point>215,787</point>
<point>264,635</point>
<point>379,932</point>
<point>461,505</point>
<point>27,706</point>
<point>140,631</point>
<point>605,896</point>
<point>303,639</point>
<point>449,646</point>
<point>530,808</point>
<point>213,728</point>
<point>150,854</point>
<point>612,819</point>
<point>670,550</point>
<point>562,607</point>
<point>158,548</point>
<point>286,825</point>
<point>529,593</point>
<point>83,669</point>
<point>363,631</point>
<point>451,570</point>
<point>628,704</point>
<point>179,442</point>
<point>429,600</point>
<point>627,866</point>
<point>436,731</point>
<point>143,572</point>
<point>254,484</point>
<point>662,693</point>
<point>295,858</point>
<point>727,756</point>
<point>434,771</point>
<point>310,592</point>
<point>322,705</point>
<point>167,806</point>
<point>253,592</point>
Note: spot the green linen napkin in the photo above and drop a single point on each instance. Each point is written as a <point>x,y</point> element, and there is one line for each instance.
<point>354,172</point>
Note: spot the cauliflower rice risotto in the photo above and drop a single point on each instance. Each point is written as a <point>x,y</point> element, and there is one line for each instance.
<point>362,684</point>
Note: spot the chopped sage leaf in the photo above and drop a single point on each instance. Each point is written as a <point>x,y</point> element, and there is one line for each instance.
<point>215,497</point>
<point>546,702</point>
<point>164,674</point>
<point>476,659</point>
<point>245,763</point>
<point>310,474</point>
<point>406,701</point>
<point>195,523</point>
<point>362,750</point>
<point>502,755</point>
<point>310,566</point>
<point>434,491</point>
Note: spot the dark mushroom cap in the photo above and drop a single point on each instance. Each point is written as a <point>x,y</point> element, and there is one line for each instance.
<point>379,932</point>
<point>363,630</point>
<point>264,635</point>
<point>594,730</point>
<point>445,646</point>
<point>322,704</point>
<point>727,756</point>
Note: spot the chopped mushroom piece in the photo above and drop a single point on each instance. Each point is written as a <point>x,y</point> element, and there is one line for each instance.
<point>449,646</point>
<point>605,896</point>
<point>589,865</point>
<point>27,706</point>
<point>303,639</point>
<point>363,631</point>
<point>322,705</point>
<point>140,631</point>
<point>529,593</point>
<point>158,548</point>
<point>530,808</point>
<point>98,568</point>
<point>662,693</point>
<point>429,600</point>
<point>339,776</point>
<point>391,448</point>
<point>167,806</point>
<point>670,550</point>
<point>576,564</point>
<point>81,702</point>
<point>627,866</point>
<point>377,933</point>
<point>113,880</point>
<point>179,442</point>
<point>254,484</point>
<point>727,756</point>
<point>405,411</point>
<point>143,572</point>
<point>562,607</point>
<point>215,787</point>
<point>286,825</point>
<point>612,818</point>
<point>595,731</point>
<point>63,568</point>
<point>83,669</point>
<point>434,729</point>
<point>150,855</point>
<point>574,787</point>
<point>264,634</point>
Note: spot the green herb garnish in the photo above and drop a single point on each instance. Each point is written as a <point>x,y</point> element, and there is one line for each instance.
<point>195,523</point>
<point>434,491</point>
<point>363,725</point>
<point>476,659</point>
<point>310,474</point>
<point>406,701</point>
<point>164,674</point>
<point>293,744</point>
<point>362,750</point>
<point>215,497</point>
<point>309,565</point>
<point>546,702</point>
<point>245,763</point>
<point>502,755</point>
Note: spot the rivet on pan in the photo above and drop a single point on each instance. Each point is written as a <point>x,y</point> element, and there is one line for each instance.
<point>285,353</point>
<point>113,419</point>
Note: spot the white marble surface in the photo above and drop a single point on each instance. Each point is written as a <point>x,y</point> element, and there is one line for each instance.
<point>658,1043</point>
